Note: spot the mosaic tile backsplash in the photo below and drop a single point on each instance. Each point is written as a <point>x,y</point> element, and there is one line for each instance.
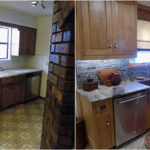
<point>87,68</point>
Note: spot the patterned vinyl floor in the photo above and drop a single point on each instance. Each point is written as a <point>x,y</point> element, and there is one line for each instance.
<point>20,126</point>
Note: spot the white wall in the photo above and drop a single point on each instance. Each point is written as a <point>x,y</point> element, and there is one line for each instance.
<point>12,16</point>
<point>41,59</point>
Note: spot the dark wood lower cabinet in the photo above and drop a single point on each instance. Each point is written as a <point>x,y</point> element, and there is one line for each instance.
<point>12,94</point>
<point>12,90</point>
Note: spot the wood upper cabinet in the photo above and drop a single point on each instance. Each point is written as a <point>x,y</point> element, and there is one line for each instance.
<point>99,123</point>
<point>97,32</point>
<point>105,29</point>
<point>23,41</point>
<point>27,41</point>
<point>124,21</point>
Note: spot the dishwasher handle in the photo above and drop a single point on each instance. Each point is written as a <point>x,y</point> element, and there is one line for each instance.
<point>131,99</point>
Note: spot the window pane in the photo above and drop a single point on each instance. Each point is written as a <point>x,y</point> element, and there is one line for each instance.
<point>15,42</point>
<point>3,34</point>
<point>142,57</point>
<point>3,50</point>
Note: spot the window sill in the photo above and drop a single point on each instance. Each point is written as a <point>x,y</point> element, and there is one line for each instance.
<point>4,60</point>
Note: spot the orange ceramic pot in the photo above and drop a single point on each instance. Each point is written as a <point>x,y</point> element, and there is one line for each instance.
<point>109,76</point>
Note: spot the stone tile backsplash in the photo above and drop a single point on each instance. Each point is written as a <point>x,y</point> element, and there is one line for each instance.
<point>87,68</point>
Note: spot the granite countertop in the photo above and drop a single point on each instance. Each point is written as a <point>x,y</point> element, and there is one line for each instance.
<point>14,72</point>
<point>104,92</point>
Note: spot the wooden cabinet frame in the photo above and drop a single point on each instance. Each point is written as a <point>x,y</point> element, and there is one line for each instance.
<point>99,135</point>
<point>121,37</point>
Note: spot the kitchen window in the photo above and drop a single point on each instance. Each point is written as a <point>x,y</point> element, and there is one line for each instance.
<point>143,43</point>
<point>4,42</point>
<point>9,42</point>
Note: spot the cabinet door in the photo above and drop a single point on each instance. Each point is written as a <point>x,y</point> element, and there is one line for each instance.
<point>12,94</point>
<point>105,130</point>
<point>23,41</point>
<point>124,18</point>
<point>105,124</point>
<point>97,28</point>
<point>31,41</point>
<point>27,41</point>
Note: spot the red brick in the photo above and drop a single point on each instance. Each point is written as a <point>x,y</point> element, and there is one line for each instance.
<point>65,98</point>
<point>67,61</point>
<point>62,119</point>
<point>54,28</point>
<point>58,29</point>
<point>65,48</point>
<point>52,49</point>
<point>63,130</point>
<point>59,37</point>
<point>53,78</point>
<point>64,108</point>
<point>53,38</point>
<point>57,7</point>
<point>67,36</point>
<point>51,67</point>
<point>54,58</point>
<point>55,16</point>
<point>63,72</point>
<point>66,86</point>
<point>58,146</point>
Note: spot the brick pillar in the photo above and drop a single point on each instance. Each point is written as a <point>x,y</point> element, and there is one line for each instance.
<point>58,117</point>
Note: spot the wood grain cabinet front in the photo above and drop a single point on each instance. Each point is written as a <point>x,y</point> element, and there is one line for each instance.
<point>106,29</point>
<point>27,41</point>
<point>12,90</point>
<point>98,117</point>
<point>12,94</point>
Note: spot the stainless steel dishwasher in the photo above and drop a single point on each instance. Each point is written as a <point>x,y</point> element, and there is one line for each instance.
<point>33,85</point>
<point>130,116</point>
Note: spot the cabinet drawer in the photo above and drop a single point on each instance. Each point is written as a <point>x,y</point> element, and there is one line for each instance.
<point>103,106</point>
<point>11,80</point>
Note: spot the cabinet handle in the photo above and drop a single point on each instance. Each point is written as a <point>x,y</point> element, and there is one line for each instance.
<point>102,107</point>
<point>108,123</point>
<point>110,45</point>
<point>115,45</point>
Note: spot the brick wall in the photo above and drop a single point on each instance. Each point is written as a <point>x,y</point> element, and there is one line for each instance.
<point>58,117</point>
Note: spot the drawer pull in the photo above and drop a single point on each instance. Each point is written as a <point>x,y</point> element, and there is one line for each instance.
<point>110,45</point>
<point>108,123</point>
<point>115,45</point>
<point>103,107</point>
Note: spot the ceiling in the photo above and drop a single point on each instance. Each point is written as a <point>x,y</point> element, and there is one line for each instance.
<point>26,7</point>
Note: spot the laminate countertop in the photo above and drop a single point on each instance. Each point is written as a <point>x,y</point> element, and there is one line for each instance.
<point>105,92</point>
<point>14,72</point>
